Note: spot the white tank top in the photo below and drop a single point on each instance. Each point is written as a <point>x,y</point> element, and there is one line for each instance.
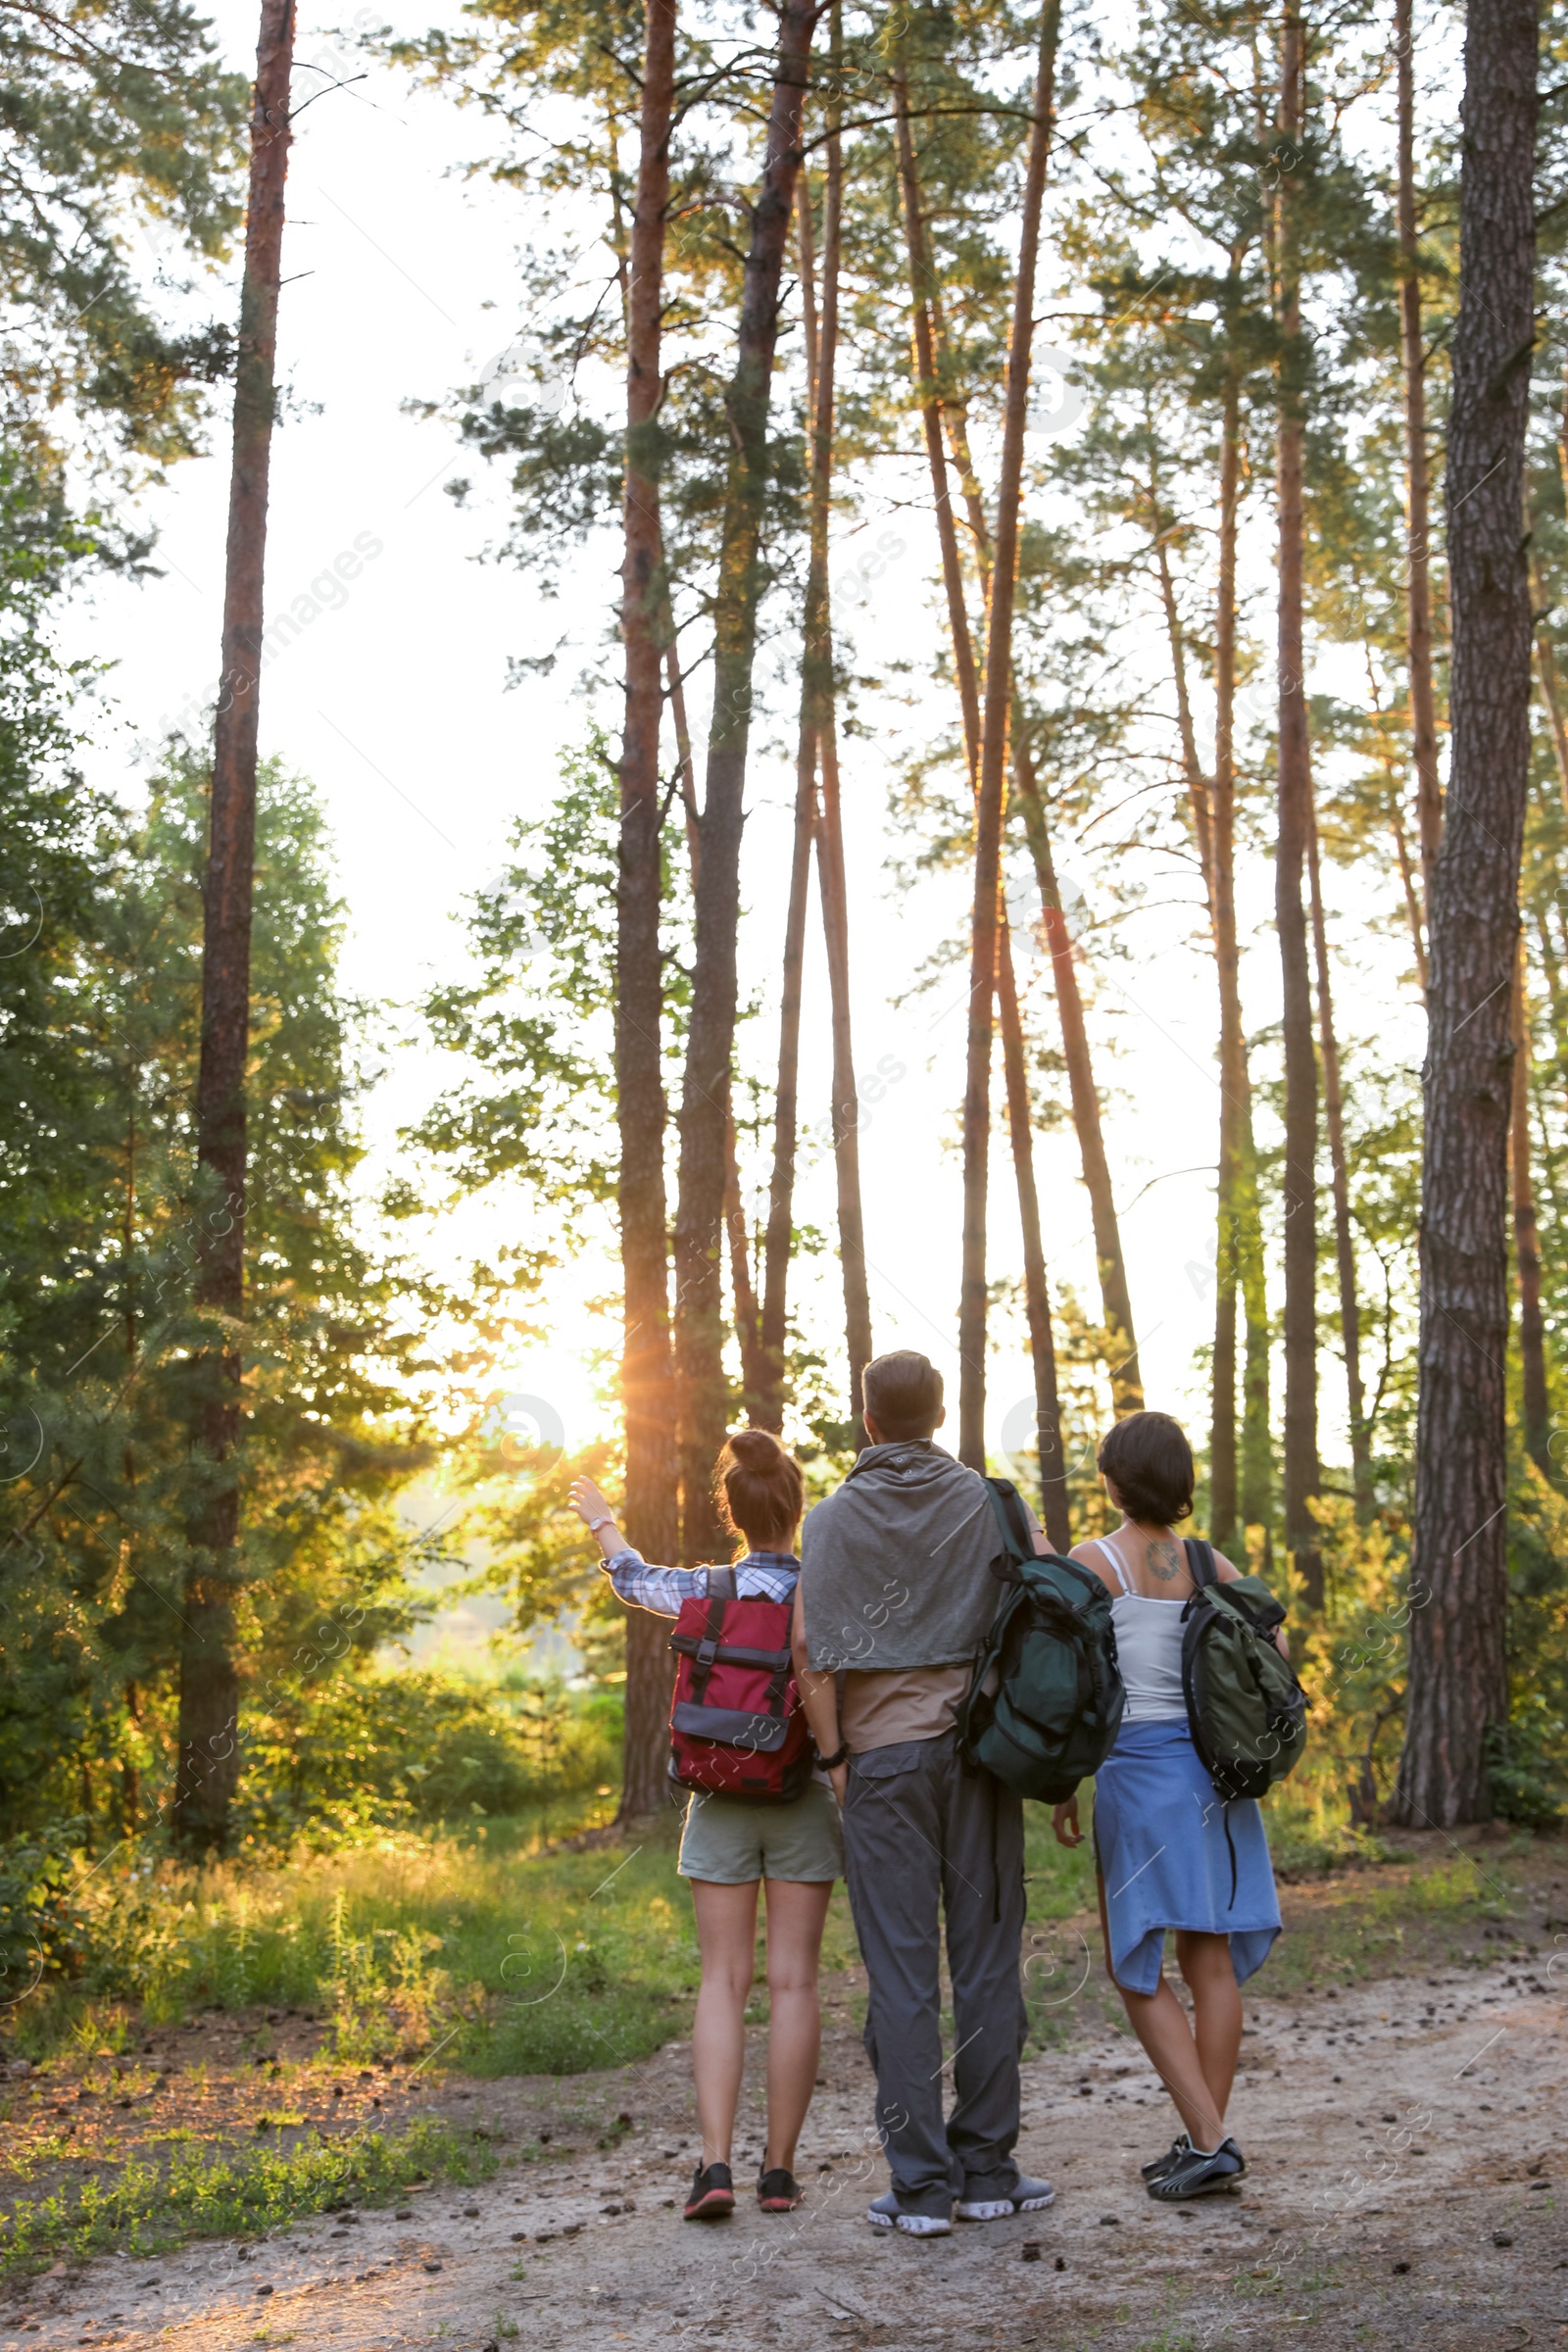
<point>1148,1647</point>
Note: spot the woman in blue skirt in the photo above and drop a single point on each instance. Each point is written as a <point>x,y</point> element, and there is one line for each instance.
<point>1169,1852</point>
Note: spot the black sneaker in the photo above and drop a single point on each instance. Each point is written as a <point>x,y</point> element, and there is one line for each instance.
<point>712,2194</point>
<point>778,2191</point>
<point>1174,2155</point>
<point>1197,2174</point>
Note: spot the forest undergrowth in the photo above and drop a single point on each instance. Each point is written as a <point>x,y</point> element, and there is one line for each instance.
<point>255,2042</point>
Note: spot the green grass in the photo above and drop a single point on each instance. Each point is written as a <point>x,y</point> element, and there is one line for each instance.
<point>144,2208</point>
<point>504,1959</point>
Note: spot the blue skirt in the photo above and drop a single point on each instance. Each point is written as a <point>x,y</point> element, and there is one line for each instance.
<point>1162,1846</point>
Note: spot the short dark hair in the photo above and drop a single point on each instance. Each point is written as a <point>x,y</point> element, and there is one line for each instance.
<point>1150,1463</point>
<point>903,1394</point>
<point>757,1487</point>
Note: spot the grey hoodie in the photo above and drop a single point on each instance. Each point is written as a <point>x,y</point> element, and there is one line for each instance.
<point>896,1565</point>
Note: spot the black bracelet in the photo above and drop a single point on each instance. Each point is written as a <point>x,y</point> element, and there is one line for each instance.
<point>840,1756</point>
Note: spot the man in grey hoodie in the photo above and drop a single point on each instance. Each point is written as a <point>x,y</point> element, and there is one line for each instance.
<point>895,1598</point>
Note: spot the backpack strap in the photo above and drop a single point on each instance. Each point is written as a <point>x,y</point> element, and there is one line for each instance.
<point>721,1588</point>
<point>1018,1538</point>
<point>1199,1562</point>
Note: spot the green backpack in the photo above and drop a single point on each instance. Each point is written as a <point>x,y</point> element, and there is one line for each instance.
<point>1056,1704</point>
<point>1245,1707</point>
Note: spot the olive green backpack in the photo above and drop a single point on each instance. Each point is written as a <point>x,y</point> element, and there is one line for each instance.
<point>1046,1702</point>
<point>1245,1707</point>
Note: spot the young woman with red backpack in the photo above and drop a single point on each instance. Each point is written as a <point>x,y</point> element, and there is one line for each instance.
<point>756,1808</point>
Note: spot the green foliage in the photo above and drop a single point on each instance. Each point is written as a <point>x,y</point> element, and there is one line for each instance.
<point>97,1316</point>
<point>118,119</point>
<point>537,1020</point>
<point>390,1750</point>
<point>147,2208</point>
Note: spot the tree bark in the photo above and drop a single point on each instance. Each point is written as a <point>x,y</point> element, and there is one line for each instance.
<point>648,1380</point>
<point>1300,1174</point>
<point>818,690</point>
<point>1527,1240</point>
<point>207,1773</point>
<point>1122,1361</point>
<point>1344,1242</point>
<point>755,1371</point>
<point>846,1096</point>
<point>1126,1380</point>
<point>1417,470</point>
<point>993,773</point>
<point>1458,1687</point>
<point>1053,1511</point>
<point>779,1242</point>
<point>1036,1296</point>
<point>1235,1088</point>
<point>1550,685</point>
<point>702,1394</point>
<point>1213,808</point>
<point>780,1239</point>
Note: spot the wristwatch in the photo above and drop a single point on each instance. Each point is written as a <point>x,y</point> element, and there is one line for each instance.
<point>840,1756</point>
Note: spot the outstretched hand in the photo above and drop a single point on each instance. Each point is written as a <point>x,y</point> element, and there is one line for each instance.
<point>587,1502</point>
<point>1064,1822</point>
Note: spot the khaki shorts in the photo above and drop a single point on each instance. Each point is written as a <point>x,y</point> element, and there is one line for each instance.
<point>733,1844</point>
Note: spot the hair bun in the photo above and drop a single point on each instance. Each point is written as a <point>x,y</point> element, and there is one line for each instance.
<point>758,1490</point>
<point>758,1448</point>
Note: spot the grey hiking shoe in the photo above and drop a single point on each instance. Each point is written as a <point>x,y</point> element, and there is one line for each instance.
<point>1028,2196</point>
<point>886,2213</point>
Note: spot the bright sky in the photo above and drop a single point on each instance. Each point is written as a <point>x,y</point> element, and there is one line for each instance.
<point>403,283</point>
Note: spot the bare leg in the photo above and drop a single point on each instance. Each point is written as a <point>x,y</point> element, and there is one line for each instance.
<point>796,1911</point>
<point>727,1937</point>
<point>1206,1963</point>
<point>1160,2024</point>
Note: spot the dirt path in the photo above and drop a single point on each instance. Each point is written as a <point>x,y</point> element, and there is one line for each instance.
<point>1408,2146</point>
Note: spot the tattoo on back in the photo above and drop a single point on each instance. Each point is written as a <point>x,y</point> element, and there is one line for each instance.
<point>1166,1559</point>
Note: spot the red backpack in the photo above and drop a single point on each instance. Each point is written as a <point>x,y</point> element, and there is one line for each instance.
<point>736,1726</point>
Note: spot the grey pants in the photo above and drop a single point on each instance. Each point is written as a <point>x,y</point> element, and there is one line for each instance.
<point>919,1831</point>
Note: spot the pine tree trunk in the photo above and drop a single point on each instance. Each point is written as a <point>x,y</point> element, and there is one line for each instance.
<point>1298,1182</point>
<point>846,1096</point>
<point>779,1242</point>
<point>1122,1360</point>
<point>993,773</point>
<point>1458,1688</point>
<point>207,1772</point>
<point>1053,1511</point>
<point>818,688</point>
<point>648,1380</point>
<point>755,1367</point>
<point>1214,828</point>
<point>1412,904</point>
<point>1551,687</point>
<point>1126,1380</point>
<point>1527,1239</point>
<point>710,1037</point>
<point>1037,1297</point>
<point>780,1239</point>
<point>1345,1247</point>
<point>1417,471</point>
<point>756,1371</point>
<point>1235,1096</point>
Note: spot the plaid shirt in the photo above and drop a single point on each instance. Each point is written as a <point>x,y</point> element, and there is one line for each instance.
<point>760,1576</point>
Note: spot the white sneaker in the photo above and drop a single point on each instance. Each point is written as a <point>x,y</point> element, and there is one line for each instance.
<point>1030,2196</point>
<point>888,2214</point>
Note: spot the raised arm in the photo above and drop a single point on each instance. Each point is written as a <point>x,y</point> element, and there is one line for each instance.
<point>637,1582</point>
